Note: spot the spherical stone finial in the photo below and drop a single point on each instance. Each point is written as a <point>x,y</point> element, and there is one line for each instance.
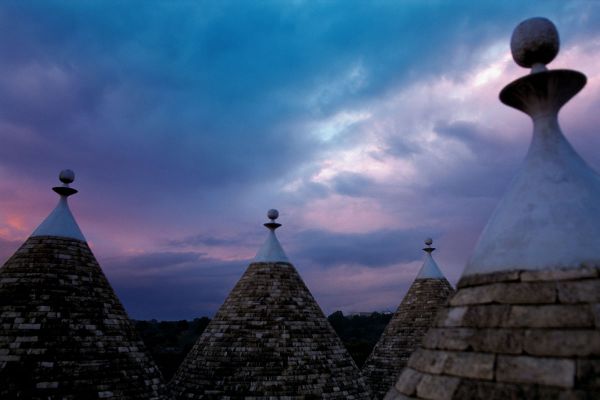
<point>429,241</point>
<point>273,214</point>
<point>66,176</point>
<point>534,43</point>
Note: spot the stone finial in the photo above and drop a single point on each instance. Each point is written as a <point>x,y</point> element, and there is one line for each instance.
<point>534,43</point>
<point>428,243</point>
<point>66,176</point>
<point>549,215</point>
<point>272,214</point>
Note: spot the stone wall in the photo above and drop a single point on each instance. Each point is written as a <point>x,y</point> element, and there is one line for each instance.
<point>404,333</point>
<point>512,335</point>
<point>64,333</point>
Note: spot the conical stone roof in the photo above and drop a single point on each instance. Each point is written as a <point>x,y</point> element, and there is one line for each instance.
<point>525,320</point>
<point>403,334</point>
<point>269,340</point>
<point>64,334</point>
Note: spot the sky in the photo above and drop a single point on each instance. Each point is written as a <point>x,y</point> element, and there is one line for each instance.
<point>369,125</point>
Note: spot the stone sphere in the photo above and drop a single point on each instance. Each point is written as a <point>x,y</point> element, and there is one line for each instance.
<point>428,241</point>
<point>273,214</point>
<point>66,176</point>
<point>534,41</point>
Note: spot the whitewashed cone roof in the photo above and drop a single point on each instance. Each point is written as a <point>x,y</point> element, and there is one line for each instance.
<point>271,250</point>
<point>550,214</point>
<point>60,222</point>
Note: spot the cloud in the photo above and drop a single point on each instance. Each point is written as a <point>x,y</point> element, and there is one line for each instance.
<point>154,261</point>
<point>352,184</point>
<point>171,285</point>
<point>201,239</point>
<point>374,249</point>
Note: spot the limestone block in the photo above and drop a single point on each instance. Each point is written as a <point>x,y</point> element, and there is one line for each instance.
<point>408,381</point>
<point>470,365</point>
<point>536,370</point>
<point>562,342</point>
<point>435,387</point>
<point>483,279</point>
<point>581,291</point>
<point>498,340</point>
<point>507,293</point>
<point>448,339</point>
<point>486,316</point>
<point>550,316</point>
<point>428,361</point>
<point>560,274</point>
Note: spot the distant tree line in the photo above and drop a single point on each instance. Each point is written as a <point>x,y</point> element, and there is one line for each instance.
<point>170,341</point>
<point>359,333</point>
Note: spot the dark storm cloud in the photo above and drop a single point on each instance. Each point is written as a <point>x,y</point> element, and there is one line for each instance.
<point>164,93</point>
<point>158,260</point>
<point>489,171</point>
<point>373,249</point>
<point>353,184</point>
<point>194,291</point>
<point>202,239</point>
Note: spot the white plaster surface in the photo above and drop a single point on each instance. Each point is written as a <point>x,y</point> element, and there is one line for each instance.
<point>271,250</point>
<point>60,222</point>
<point>430,269</point>
<point>550,215</point>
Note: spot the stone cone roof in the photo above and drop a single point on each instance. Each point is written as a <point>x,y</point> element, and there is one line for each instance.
<point>269,340</point>
<point>64,334</point>
<point>406,329</point>
<point>525,320</point>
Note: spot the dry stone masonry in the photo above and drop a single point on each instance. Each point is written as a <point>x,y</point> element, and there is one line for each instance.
<point>525,320</point>
<point>269,340</point>
<point>406,329</point>
<point>512,335</point>
<point>63,332</point>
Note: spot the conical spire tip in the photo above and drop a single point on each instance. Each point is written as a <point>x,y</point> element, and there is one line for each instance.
<point>66,176</point>
<point>272,214</point>
<point>429,269</point>
<point>271,250</point>
<point>61,222</point>
<point>428,243</point>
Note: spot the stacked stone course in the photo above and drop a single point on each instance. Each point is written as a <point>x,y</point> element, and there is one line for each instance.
<point>512,335</point>
<point>64,333</point>
<point>404,333</point>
